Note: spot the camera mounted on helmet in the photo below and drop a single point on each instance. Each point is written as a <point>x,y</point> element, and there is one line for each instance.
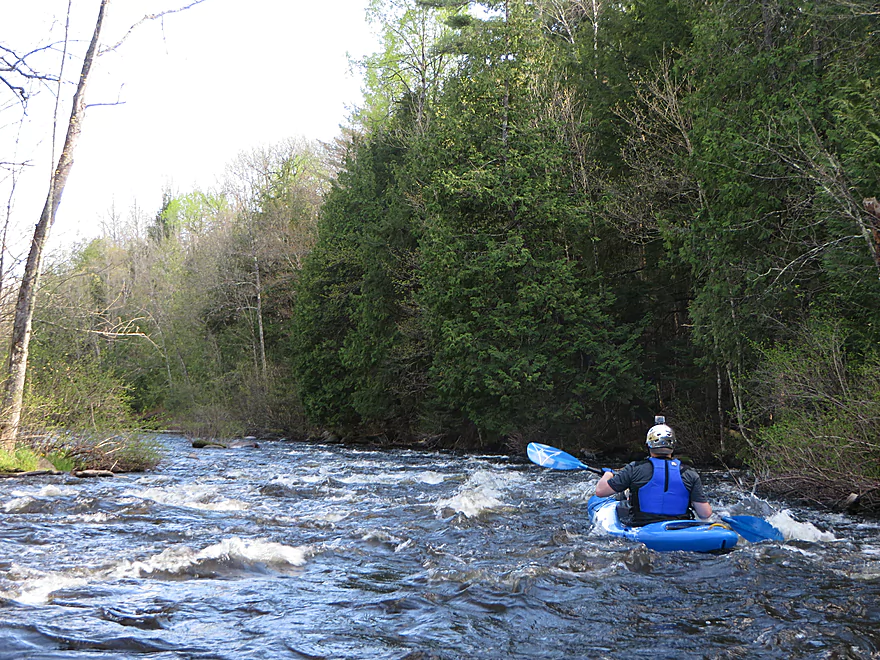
<point>661,438</point>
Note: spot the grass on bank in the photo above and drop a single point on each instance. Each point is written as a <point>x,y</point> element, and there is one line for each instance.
<point>21,459</point>
<point>123,452</point>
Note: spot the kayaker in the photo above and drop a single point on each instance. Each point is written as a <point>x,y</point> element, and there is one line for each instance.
<point>660,487</point>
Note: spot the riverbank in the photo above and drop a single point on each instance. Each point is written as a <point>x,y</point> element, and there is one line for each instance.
<point>131,451</point>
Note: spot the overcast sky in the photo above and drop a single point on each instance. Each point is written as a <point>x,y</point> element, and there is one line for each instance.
<point>196,89</point>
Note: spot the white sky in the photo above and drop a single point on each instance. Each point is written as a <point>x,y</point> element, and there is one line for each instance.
<point>198,88</point>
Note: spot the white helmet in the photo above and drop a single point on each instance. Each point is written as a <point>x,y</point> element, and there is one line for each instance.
<point>660,436</point>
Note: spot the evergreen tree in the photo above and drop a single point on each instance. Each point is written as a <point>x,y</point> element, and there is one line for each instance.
<point>517,315</point>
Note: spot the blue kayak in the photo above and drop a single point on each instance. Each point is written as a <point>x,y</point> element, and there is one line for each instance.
<point>690,535</point>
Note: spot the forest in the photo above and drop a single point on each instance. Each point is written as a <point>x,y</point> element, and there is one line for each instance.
<point>550,221</point>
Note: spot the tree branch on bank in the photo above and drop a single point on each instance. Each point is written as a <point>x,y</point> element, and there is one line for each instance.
<point>121,330</point>
<point>14,65</point>
<point>814,161</point>
<point>145,19</point>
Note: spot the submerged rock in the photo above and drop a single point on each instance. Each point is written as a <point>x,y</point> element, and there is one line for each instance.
<point>88,474</point>
<point>207,444</point>
<point>243,444</point>
<point>233,444</point>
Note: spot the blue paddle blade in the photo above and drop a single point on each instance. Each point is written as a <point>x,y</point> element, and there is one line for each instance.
<point>550,457</point>
<point>753,529</point>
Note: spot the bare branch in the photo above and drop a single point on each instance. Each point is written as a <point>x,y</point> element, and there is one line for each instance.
<point>13,64</point>
<point>121,331</point>
<point>148,17</point>
<point>806,256</point>
<point>98,105</point>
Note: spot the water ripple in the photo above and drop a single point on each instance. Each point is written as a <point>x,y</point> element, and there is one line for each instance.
<point>304,551</point>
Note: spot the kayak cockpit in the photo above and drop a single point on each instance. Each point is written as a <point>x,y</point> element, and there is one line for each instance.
<point>666,536</point>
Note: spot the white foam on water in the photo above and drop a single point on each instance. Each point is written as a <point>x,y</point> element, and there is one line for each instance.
<point>233,551</point>
<point>384,478</point>
<point>793,530</point>
<point>391,478</point>
<point>870,570</point>
<point>89,518</point>
<point>430,478</point>
<point>55,491</point>
<point>578,492</point>
<point>329,516</point>
<point>382,536</point>
<point>292,481</point>
<point>154,480</point>
<point>801,551</point>
<point>36,591</point>
<point>50,490</point>
<point>206,498</point>
<point>385,537</point>
<point>483,491</point>
<point>367,463</point>
<point>24,500</point>
<point>36,588</point>
<point>18,504</point>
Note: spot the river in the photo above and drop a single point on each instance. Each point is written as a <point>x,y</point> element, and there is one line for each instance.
<point>295,550</point>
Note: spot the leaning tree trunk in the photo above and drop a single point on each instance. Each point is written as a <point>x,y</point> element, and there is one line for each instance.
<point>871,231</point>
<point>10,412</point>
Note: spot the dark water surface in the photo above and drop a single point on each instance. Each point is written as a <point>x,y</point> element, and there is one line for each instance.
<point>303,551</point>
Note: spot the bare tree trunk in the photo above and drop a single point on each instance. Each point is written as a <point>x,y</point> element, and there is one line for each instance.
<point>10,412</point>
<point>259,286</point>
<point>872,231</point>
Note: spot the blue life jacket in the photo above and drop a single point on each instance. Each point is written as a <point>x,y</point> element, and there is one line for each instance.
<point>665,495</point>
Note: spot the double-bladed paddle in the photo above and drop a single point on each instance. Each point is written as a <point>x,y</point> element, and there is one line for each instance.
<point>556,459</point>
<point>751,528</point>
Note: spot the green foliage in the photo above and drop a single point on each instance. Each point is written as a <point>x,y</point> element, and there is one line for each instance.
<point>126,453</point>
<point>443,286</point>
<point>355,353</point>
<point>75,395</point>
<point>62,461</point>
<point>774,233</point>
<point>820,404</point>
<point>521,331</point>
<point>71,384</point>
<point>22,459</point>
<point>407,73</point>
<point>184,315</point>
<point>190,214</point>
